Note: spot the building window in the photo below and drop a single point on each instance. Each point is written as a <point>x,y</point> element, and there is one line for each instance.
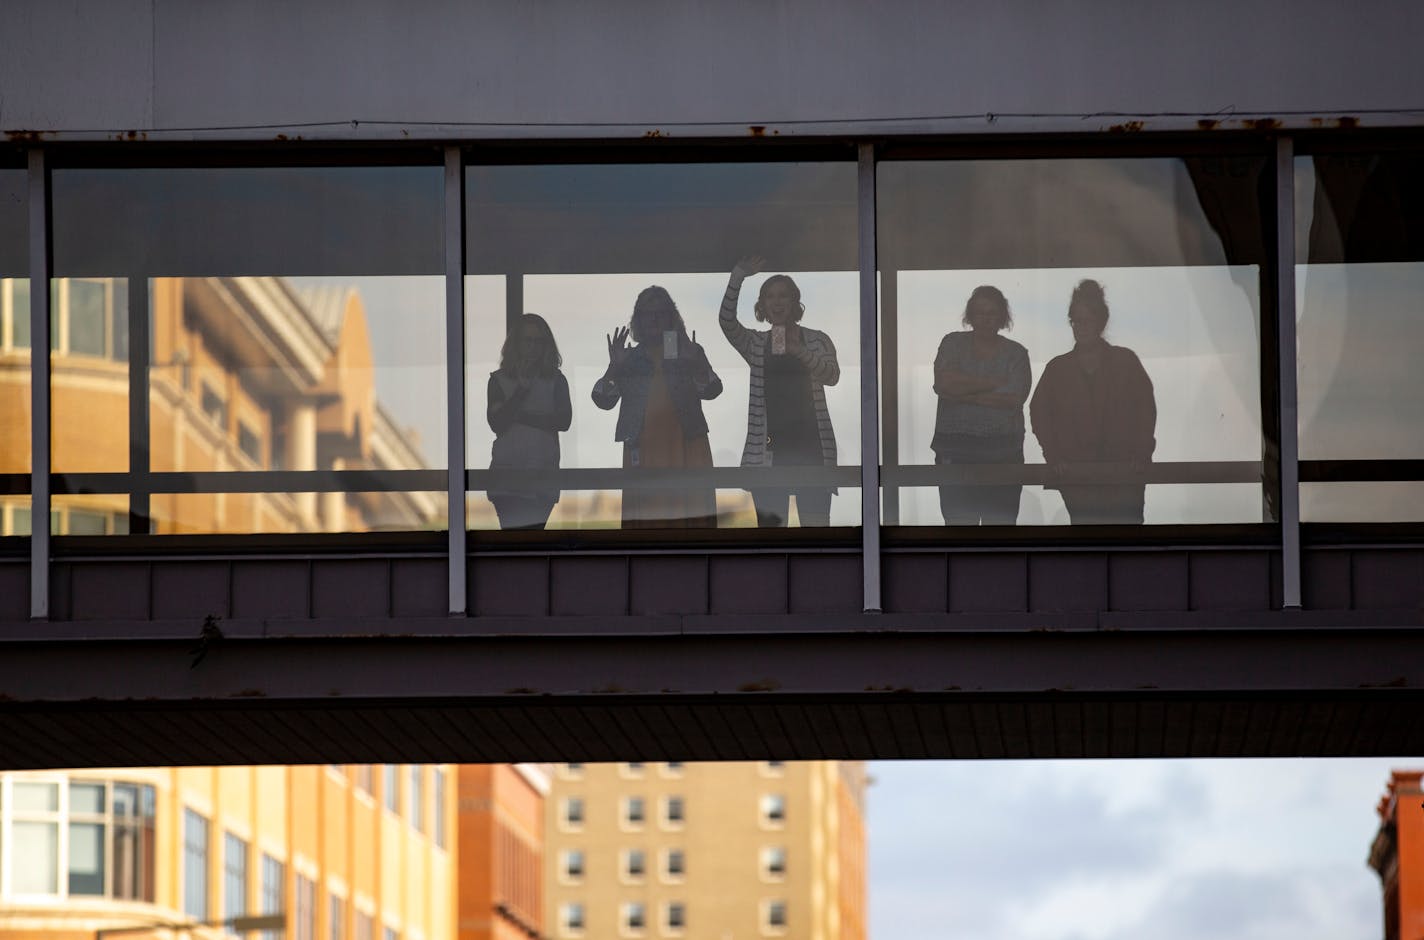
<point>417,797</point>
<point>214,406</point>
<point>676,916</point>
<point>673,768</point>
<point>195,865</point>
<point>134,811</point>
<point>234,877</point>
<point>773,861</point>
<point>573,770</point>
<point>573,811</point>
<point>774,915</point>
<point>773,809</point>
<point>573,864</point>
<point>674,864</point>
<point>34,831</point>
<point>390,933</point>
<point>249,442</point>
<point>366,778</point>
<point>392,787</point>
<point>774,768</point>
<point>673,811</point>
<point>635,917</point>
<point>306,908</point>
<point>571,917</point>
<point>274,892</point>
<point>633,812</point>
<point>440,807</point>
<point>634,864</point>
<point>336,917</point>
<point>364,926</point>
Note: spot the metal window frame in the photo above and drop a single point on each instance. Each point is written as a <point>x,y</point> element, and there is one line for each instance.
<point>139,481</point>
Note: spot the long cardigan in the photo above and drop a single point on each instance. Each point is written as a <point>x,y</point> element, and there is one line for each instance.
<point>818,355</point>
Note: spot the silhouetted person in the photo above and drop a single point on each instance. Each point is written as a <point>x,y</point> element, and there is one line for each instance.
<point>788,424</point>
<point>982,380</point>
<point>528,405</point>
<point>662,381</point>
<point>1095,405</point>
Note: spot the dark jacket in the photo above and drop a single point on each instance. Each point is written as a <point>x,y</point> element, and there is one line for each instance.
<point>631,380</point>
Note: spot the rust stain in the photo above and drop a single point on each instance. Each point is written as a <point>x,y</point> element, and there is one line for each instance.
<point>1347,122</point>
<point>655,132</point>
<point>1261,124</point>
<point>1317,122</point>
<point>760,685</point>
<point>1207,124</point>
<point>1127,127</point>
<point>282,137</point>
<point>32,137</point>
<point>758,130</point>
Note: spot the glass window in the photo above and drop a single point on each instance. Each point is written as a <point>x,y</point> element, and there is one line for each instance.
<point>670,364</point>
<point>675,864</point>
<point>673,810</point>
<point>336,917</point>
<point>274,892</point>
<point>573,811</point>
<point>676,916</point>
<point>573,864</point>
<point>439,798</point>
<point>635,916</point>
<point>390,933</point>
<point>35,797</point>
<point>135,851</point>
<point>572,916</point>
<point>195,865</point>
<point>37,842</point>
<point>1359,281</point>
<point>773,808</point>
<point>234,877</point>
<point>776,914</point>
<point>305,304</point>
<point>306,908</point>
<point>773,861</point>
<point>364,926</point>
<point>1076,340</point>
<point>417,797</point>
<point>634,863</point>
<point>633,810</point>
<point>86,858</point>
<point>14,315</point>
<point>391,782</point>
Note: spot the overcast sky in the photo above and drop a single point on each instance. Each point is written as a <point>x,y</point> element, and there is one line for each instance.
<point>1112,850</point>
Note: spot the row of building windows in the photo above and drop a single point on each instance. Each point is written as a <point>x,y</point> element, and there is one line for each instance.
<point>673,868</point>
<point>364,776</point>
<point>633,918</point>
<point>633,813</point>
<point>637,769</point>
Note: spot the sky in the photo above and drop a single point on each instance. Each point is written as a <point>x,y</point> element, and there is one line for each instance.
<point>1112,850</point>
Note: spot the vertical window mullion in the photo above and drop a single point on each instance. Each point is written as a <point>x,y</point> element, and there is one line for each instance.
<point>139,418</point>
<point>40,269</point>
<point>1286,356</point>
<point>455,374</point>
<point>869,384</point>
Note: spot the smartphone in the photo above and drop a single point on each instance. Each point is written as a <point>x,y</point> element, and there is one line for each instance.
<point>778,340</point>
<point>669,344</point>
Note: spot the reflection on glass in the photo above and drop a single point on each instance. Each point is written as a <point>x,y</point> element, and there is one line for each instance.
<point>14,324</point>
<point>1177,245</point>
<point>294,320</point>
<point>527,408</point>
<point>577,245</point>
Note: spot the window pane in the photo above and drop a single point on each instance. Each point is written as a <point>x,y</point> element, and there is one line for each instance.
<point>86,798</point>
<point>38,844</point>
<point>86,858</point>
<point>35,797</point>
<point>195,865</point>
<point>1359,287</point>
<point>1157,261</point>
<point>305,332</point>
<point>14,321</point>
<point>577,246</point>
<point>267,513</point>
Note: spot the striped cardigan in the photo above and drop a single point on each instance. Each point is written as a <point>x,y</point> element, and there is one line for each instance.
<point>818,355</point>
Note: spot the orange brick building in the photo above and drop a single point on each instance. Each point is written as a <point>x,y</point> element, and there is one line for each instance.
<point>501,826</point>
<point>1398,855</point>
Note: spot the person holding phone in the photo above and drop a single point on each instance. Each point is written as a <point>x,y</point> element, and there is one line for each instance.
<point>661,380</point>
<point>788,423</point>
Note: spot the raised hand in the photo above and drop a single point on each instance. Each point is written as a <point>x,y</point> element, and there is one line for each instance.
<point>618,349</point>
<point>747,266</point>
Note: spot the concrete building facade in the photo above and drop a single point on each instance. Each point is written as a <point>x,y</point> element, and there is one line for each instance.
<point>1397,855</point>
